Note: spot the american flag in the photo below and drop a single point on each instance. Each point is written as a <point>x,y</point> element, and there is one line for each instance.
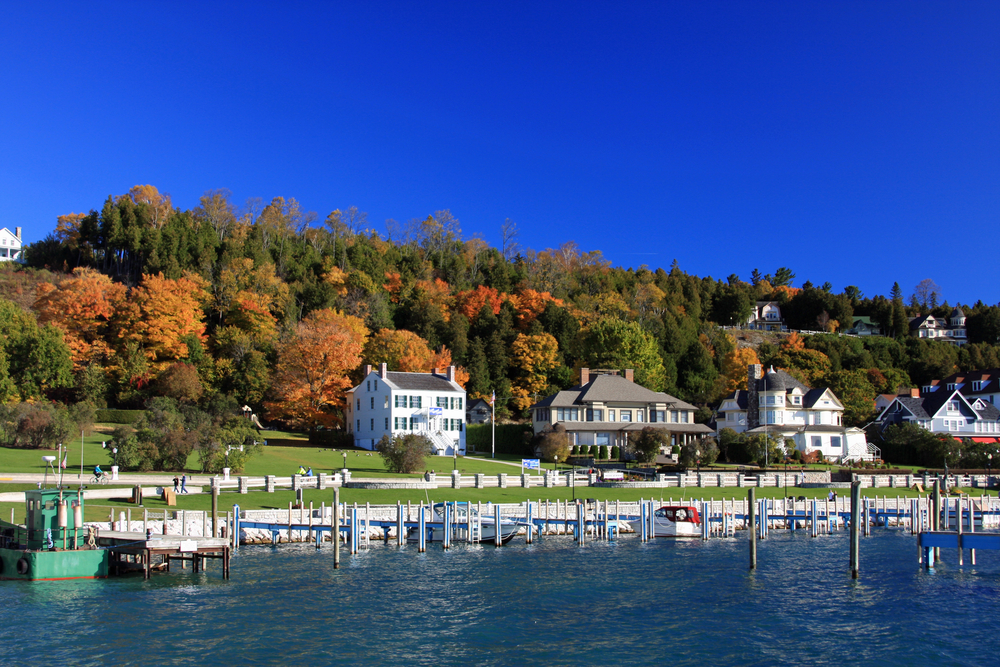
<point>493,397</point>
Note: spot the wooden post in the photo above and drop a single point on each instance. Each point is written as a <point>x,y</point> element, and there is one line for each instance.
<point>497,538</point>
<point>335,527</point>
<point>215,510</point>
<point>855,527</point>
<point>752,525</point>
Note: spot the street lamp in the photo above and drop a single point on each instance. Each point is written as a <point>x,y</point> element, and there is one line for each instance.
<point>345,460</point>
<point>989,465</point>
<point>697,458</point>
<point>454,457</point>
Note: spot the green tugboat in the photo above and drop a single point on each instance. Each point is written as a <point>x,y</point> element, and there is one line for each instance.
<point>53,544</point>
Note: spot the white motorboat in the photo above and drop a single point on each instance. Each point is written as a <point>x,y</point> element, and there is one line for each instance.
<point>673,521</point>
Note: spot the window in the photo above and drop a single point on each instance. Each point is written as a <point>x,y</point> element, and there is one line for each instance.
<point>817,442</point>
<point>369,385</point>
<point>399,423</point>
<point>413,423</point>
<point>456,424</point>
<point>385,404</point>
<point>442,402</point>
<point>951,386</point>
<point>373,402</point>
<point>376,385</point>
<point>567,414</point>
<point>386,423</point>
<point>674,417</point>
<point>611,415</point>
<point>796,400</point>
<point>359,425</point>
<point>456,403</point>
<point>626,415</point>
<point>399,401</point>
<point>639,415</point>
<point>595,414</point>
<point>977,386</point>
<point>602,439</point>
<point>542,415</point>
<point>952,406</point>
<point>373,424</point>
<point>415,401</point>
<point>359,404</point>
<point>657,415</point>
<point>684,416</point>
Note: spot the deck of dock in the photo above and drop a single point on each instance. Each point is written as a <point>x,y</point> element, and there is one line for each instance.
<point>131,549</point>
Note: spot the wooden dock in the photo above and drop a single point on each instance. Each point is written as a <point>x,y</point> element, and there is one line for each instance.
<point>139,550</point>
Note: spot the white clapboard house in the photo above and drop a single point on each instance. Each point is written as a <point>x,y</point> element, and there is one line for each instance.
<point>389,403</point>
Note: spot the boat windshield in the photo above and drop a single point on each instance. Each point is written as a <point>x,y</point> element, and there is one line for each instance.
<point>686,514</point>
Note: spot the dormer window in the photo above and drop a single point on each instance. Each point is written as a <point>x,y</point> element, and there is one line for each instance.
<point>796,400</point>
<point>977,385</point>
<point>952,406</point>
<point>952,386</point>
<point>927,389</point>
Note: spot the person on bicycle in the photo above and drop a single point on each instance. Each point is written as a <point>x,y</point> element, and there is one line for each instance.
<point>98,473</point>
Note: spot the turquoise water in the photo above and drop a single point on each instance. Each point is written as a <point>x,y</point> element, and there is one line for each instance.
<point>553,603</point>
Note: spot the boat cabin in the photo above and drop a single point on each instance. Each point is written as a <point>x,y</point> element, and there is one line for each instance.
<point>686,514</point>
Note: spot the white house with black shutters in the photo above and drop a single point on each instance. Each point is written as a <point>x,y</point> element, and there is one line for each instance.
<point>389,403</point>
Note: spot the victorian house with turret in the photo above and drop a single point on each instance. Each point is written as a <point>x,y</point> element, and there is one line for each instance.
<point>777,404</point>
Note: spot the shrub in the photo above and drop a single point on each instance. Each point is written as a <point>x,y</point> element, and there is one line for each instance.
<point>555,443</point>
<point>118,416</point>
<point>575,450</point>
<point>615,453</point>
<point>647,444</point>
<point>603,453</point>
<point>404,453</point>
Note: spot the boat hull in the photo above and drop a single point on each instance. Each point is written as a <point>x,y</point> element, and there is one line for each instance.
<point>665,528</point>
<point>18,564</point>
<point>460,534</point>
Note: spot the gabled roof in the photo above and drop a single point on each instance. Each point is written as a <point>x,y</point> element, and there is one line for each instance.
<point>413,381</point>
<point>477,403</point>
<point>814,395</point>
<point>917,322</point>
<point>927,407</point>
<point>740,396</point>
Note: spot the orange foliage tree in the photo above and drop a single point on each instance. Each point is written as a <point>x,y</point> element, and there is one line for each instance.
<point>312,370</point>
<point>533,356</point>
<point>160,313</point>
<point>530,304</point>
<point>82,306</point>
<point>733,371</point>
<point>470,302</point>
<point>402,350</point>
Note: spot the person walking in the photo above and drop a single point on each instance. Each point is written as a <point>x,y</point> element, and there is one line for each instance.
<point>176,482</point>
<point>183,482</point>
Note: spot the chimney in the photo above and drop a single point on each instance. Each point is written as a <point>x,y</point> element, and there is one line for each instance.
<point>584,376</point>
<point>914,392</point>
<point>368,370</point>
<point>382,370</point>
<point>629,375</point>
<point>451,373</point>
<point>17,233</point>
<point>753,402</point>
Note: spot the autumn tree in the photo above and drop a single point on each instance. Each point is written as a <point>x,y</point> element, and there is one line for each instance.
<point>733,374</point>
<point>313,366</point>
<point>531,358</point>
<point>404,452</point>
<point>82,306</point>
<point>160,313</point>
<point>402,350</point>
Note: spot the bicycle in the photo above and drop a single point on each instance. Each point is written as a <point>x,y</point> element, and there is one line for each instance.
<point>103,479</point>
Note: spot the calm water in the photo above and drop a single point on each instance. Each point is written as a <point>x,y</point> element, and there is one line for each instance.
<point>548,603</point>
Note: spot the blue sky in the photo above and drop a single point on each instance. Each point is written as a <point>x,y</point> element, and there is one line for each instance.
<point>856,143</point>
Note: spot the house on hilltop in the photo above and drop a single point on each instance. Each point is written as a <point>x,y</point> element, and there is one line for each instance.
<point>606,407</point>
<point>10,245</point>
<point>767,316</point>
<point>950,329</point>
<point>390,403</point>
<point>778,404</point>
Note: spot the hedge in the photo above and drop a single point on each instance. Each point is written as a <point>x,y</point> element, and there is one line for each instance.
<point>118,416</point>
<point>511,438</point>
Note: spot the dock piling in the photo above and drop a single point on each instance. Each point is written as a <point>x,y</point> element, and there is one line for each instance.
<point>855,527</point>
<point>335,527</point>
<point>751,526</point>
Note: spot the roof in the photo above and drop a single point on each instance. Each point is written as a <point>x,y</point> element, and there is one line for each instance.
<point>636,426</point>
<point>414,381</point>
<point>779,380</point>
<point>477,403</point>
<point>610,389</point>
<point>927,406</point>
<point>740,396</point>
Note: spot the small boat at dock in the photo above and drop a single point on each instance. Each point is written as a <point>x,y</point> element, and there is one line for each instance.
<point>673,521</point>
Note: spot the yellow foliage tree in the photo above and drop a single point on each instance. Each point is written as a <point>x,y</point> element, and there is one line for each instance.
<point>733,373</point>
<point>160,313</point>
<point>533,356</point>
<point>402,350</point>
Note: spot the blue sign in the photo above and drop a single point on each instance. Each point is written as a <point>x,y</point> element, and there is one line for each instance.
<point>531,464</point>
<point>436,412</point>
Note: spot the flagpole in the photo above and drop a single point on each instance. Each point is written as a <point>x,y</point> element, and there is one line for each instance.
<point>493,425</point>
